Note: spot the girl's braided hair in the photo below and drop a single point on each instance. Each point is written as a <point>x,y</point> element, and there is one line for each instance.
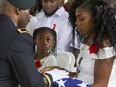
<point>52,32</point>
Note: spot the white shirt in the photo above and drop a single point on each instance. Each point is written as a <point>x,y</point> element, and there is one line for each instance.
<point>31,25</point>
<point>48,61</point>
<point>63,28</point>
<point>86,66</point>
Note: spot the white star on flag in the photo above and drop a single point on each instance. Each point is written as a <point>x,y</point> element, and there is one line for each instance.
<point>83,84</point>
<point>70,82</point>
<point>61,83</point>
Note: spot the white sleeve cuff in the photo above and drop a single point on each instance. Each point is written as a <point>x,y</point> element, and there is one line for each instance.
<point>106,52</point>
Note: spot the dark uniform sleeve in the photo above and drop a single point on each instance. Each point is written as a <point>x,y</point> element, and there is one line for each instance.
<point>21,57</point>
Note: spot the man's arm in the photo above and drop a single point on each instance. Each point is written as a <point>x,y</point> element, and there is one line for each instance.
<point>22,60</point>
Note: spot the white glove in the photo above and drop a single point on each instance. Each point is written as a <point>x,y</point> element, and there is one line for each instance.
<point>58,74</point>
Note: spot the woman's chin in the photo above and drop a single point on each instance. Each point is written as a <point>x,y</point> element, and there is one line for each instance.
<point>81,33</point>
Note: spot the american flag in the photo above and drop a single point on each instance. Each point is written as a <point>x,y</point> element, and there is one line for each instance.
<point>70,82</point>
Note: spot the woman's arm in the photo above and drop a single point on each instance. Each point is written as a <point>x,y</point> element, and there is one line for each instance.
<point>103,67</point>
<point>102,72</point>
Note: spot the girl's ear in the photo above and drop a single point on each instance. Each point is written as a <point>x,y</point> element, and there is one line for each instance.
<point>54,42</point>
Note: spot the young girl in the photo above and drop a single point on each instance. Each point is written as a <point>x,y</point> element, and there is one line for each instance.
<point>97,24</point>
<point>45,40</point>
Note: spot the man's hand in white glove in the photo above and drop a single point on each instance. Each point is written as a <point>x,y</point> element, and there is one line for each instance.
<point>58,74</point>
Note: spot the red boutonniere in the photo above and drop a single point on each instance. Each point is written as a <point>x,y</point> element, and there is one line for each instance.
<point>38,63</point>
<point>93,49</point>
<point>54,26</point>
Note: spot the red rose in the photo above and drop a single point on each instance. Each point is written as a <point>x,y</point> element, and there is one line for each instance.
<point>38,63</point>
<point>93,49</point>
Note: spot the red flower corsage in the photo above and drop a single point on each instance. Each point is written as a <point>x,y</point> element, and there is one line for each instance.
<point>54,26</point>
<point>38,63</point>
<point>93,49</point>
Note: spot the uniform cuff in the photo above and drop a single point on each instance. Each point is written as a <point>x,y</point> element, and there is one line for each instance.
<point>49,79</point>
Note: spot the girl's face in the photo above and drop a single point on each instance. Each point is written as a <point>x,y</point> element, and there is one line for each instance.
<point>84,21</point>
<point>44,41</point>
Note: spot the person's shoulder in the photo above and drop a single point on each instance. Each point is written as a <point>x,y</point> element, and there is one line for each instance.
<point>61,9</point>
<point>22,30</point>
<point>65,12</point>
<point>61,12</point>
<point>33,18</point>
<point>51,56</point>
<point>40,14</point>
<point>24,36</point>
<point>33,21</point>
